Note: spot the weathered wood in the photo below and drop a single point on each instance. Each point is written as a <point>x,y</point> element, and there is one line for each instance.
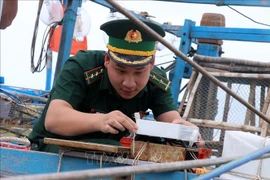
<point>266,105</point>
<point>223,125</point>
<point>240,75</point>
<point>158,152</point>
<point>262,97</point>
<point>226,111</point>
<point>250,116</point>
<point>191,96</point>
<point>236,68</point>
<point>84,145</point>
<point>201,58</point>
<point>265,126</point>
<point>208,69</point>
<point>190,84</point>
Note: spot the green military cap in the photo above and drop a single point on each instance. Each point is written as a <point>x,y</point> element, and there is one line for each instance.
<point>129,44</point>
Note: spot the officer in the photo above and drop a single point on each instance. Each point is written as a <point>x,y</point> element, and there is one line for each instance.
<point>97,92</point>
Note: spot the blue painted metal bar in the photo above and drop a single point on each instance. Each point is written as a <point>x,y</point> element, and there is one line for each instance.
<point>178,71</point>
<point>209,50</point>
<point>32,92</point>
<point>67,34</point>
<point>2,80</point>
<point>259,3</point>
<point>34,162</point>
<point>234,164</point>
<point>48,70</point>
<point>224,33</point>
<point>237,34</point>
<point>103,3</point>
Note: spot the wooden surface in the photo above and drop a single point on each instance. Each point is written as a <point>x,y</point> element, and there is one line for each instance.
<point>159,152</point>
<point>87,145</point>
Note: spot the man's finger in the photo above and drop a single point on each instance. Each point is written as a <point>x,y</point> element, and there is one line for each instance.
<point>116,125</point>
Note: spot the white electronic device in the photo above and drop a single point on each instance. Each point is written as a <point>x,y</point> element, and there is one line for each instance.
<point>167,130</point>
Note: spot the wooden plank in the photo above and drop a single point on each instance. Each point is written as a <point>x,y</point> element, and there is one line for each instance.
<point>224,125</point>
<point>190,84</point>
<point>87,145</point>
<point>201,58</point>
<point>226,110</point>
<point>264,124</point>
<point>191,96</point>
<point>250,116</point>
<point>240,75</point>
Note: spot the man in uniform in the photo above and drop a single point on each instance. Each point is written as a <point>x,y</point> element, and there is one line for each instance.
<point>97,93</point>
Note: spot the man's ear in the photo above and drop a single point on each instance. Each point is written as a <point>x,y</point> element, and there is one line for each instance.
<point>152,62</point>
<point>106,59</point>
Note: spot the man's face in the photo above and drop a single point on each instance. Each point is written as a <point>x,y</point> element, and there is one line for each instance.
<point>127,81</point>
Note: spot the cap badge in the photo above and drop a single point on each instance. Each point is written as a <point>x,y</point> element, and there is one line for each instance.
<point>133,36</point>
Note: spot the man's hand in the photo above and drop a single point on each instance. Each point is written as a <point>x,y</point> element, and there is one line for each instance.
<point>200,142</point>
<point>116,121</point>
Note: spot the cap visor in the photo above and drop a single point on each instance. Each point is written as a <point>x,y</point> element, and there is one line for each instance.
<point>130,60</point>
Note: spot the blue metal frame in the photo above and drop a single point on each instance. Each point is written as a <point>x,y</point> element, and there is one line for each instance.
<point>2,80</point>
<point>259,3</point>
<point>67,34</point>
<point>178,71</point>
<point>35,162</point>
<point>48,70</point>
<point>32,92</point>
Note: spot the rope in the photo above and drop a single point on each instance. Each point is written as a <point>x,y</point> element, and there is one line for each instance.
<point>100,162</point>
<point>247,176</point>
<point>137,157</point>
<point>15,139</point>
<point>60,161</point>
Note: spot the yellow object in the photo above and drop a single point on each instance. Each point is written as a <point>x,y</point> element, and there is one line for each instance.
<point>201,171</point>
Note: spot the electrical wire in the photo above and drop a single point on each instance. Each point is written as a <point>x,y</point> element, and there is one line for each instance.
<point>35,35</point>
<point>248,17</point>
<point>44,48</point>
<point>14,98</point>
<point>46,36</point>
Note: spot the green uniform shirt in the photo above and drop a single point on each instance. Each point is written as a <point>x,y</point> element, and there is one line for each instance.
<point>84,84</point>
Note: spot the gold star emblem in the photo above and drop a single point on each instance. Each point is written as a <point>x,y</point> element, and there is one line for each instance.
<point>133,36</point>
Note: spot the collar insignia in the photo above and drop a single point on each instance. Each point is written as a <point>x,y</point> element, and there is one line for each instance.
<point>133,36</point>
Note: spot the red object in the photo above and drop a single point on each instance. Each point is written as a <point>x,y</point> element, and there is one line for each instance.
<point>204,153</point>
<point>55,41</point>
<point>126,142</point>
<point>13,146</point>
<point>75,47</point>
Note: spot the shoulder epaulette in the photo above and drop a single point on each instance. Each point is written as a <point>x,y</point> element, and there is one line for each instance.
<point>93,75</point>
<point>159,80</point>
